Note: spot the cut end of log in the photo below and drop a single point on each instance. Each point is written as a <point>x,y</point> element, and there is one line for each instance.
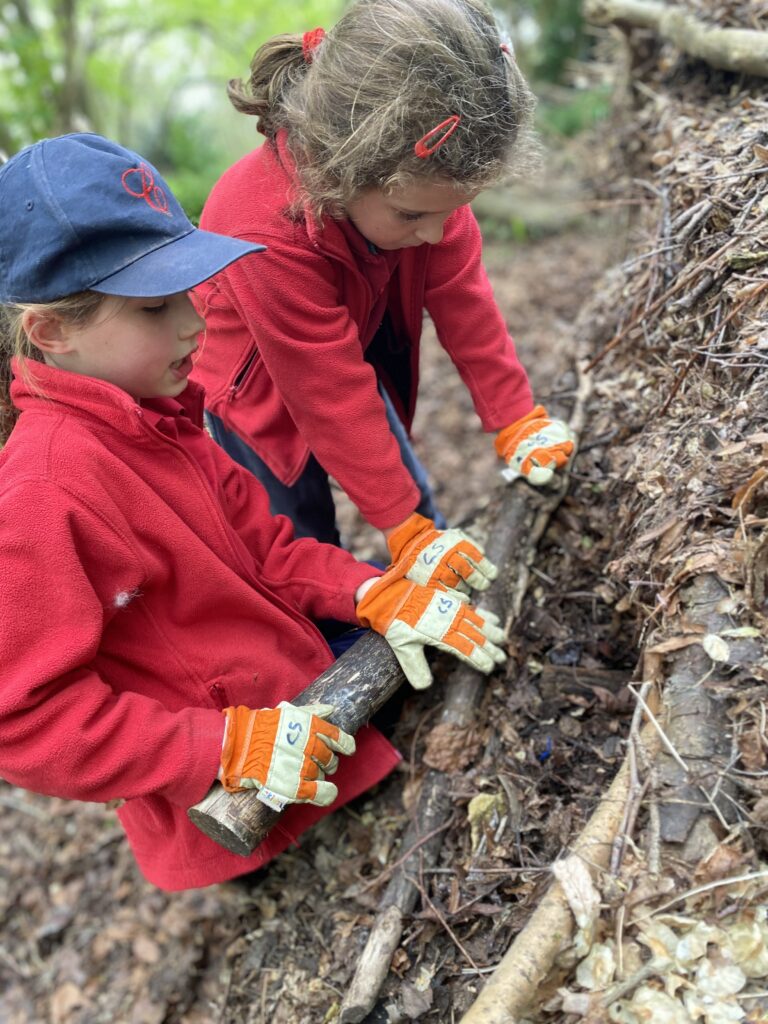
<point>219,832</point>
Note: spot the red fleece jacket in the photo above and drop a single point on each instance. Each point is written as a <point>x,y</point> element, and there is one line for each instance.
<point>145,587</point>
<point>283,364</point>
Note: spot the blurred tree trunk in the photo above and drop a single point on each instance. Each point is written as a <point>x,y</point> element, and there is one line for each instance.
<point>66,96</point>
<point>46,90</point>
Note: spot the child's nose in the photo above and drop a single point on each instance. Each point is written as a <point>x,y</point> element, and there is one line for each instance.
<point>431,231</point>
<point>192,323</point>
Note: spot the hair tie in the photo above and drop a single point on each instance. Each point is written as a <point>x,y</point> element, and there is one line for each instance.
<point>310,42</point>
<point>423,149</point>
<point>507,50</point>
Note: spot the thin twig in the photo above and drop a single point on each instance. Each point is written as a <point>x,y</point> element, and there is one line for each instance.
<point>402,859</point>
<point>464,952</point>
<point>717,884</point>
<point>634,790</point>
<point>662,735</point>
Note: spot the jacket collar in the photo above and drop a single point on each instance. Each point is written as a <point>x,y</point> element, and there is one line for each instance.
<point>36,385</point>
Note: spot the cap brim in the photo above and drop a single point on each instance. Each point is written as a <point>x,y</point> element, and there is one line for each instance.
<point>177,266</point>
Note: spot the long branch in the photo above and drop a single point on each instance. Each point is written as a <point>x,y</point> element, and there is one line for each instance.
<point>730,49</point>
<point>514,534</point>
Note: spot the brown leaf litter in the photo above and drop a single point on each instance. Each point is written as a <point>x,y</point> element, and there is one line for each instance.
<point>671,482</point>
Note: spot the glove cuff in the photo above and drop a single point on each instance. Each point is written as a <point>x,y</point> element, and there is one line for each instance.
<point>413,526</point>
<point>379,606</point>
<point>231,773</point>
<point>509,438</point>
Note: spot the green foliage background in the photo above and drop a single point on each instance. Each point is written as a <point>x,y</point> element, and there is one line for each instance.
<point>152,73</point>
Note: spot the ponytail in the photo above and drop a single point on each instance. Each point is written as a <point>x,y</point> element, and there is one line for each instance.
<point>386,76</point>
<point>275,68</point>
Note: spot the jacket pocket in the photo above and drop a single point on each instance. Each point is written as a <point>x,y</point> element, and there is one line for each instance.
<point>245,373</point>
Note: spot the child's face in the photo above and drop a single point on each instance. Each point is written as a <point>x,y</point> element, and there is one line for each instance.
<point>408,216</point>
<point>144,346</point>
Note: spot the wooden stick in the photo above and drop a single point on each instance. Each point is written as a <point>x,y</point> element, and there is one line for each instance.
<point>357,684</point>
<point>688,710</point>
<point>520,521</point>
<point>512,987</point>
<point>517,526</point>
<point>730,49</point>
<point>695,721</point>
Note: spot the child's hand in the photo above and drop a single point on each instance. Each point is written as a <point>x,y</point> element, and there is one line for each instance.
<point>284,752</point>
<point>430,556</point>
<point>534,447</point>
<point>410,617</point>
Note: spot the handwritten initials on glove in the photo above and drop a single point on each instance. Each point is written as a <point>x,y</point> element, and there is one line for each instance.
<point>534,447</point>
<point>284,752</point>
<point>429,556</point>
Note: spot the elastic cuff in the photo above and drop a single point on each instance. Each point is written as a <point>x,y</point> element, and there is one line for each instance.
<point>412,527</point>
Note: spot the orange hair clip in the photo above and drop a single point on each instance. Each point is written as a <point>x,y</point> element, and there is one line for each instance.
<point>310,42</point>
<point>423,149</point>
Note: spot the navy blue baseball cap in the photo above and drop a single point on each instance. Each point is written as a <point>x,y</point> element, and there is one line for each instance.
<point>81,213</point>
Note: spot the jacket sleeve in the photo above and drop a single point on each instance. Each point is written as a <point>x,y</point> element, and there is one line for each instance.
<point>317,579</point>
<point>64,731</point>
<point>311,349</point>
<point>469,324</point>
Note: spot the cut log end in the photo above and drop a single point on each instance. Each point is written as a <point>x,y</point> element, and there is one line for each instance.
<point>218,832</point>
<point>357,685</point>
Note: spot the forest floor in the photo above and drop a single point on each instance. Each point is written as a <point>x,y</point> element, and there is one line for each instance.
<point>86,940</point>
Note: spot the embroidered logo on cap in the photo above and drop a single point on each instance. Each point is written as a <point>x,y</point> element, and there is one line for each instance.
<point>140,182</point>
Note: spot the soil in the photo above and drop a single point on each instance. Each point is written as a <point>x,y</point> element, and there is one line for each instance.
<point>86,940</point>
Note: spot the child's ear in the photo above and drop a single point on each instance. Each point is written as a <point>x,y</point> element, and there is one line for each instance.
<point>45,332</point>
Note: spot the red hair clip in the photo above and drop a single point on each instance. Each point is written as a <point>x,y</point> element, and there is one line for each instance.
<point>310,42</point>
<point>422,149</point>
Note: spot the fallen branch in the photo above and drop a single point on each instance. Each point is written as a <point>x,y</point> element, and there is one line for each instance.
<point>358,684</point>
<point>518,525</point>
<point>730,49</point>
<point>513,985</point>
<point>520,522</point>
<point>696,725</point>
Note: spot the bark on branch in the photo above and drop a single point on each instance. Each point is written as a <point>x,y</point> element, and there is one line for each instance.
<point>730,49</point>
<point>358,684</point>
<point>518,525</point>
<point>689,717</point>
<point>514,533</point>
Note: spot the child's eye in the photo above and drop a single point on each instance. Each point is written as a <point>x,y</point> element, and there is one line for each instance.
<point>411,216</point>
<point>154,309</point>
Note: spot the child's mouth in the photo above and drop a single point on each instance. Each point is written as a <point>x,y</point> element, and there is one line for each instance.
<point>182,367</point>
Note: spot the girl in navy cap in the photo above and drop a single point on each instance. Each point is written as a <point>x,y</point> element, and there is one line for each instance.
<point>379,134</point>
<point>145,588</point>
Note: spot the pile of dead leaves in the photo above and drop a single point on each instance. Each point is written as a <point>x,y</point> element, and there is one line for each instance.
<point>678,344</point>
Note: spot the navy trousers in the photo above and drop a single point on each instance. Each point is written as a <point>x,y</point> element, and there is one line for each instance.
<point>309,502</point>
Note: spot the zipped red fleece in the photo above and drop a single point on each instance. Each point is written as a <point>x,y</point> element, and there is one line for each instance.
<point>145,587</point>
<point>283,361</point>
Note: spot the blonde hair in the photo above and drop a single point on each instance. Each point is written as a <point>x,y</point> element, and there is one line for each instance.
<point>73,310</point>
<point>386,74</point>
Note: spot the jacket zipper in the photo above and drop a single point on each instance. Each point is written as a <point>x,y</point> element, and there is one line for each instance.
<point>242,373</point>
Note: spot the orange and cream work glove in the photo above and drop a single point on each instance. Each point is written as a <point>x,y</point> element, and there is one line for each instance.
<point>428,556</point>
<point>283,752</point>
<point>410,617</point>
<point>534,447</point>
